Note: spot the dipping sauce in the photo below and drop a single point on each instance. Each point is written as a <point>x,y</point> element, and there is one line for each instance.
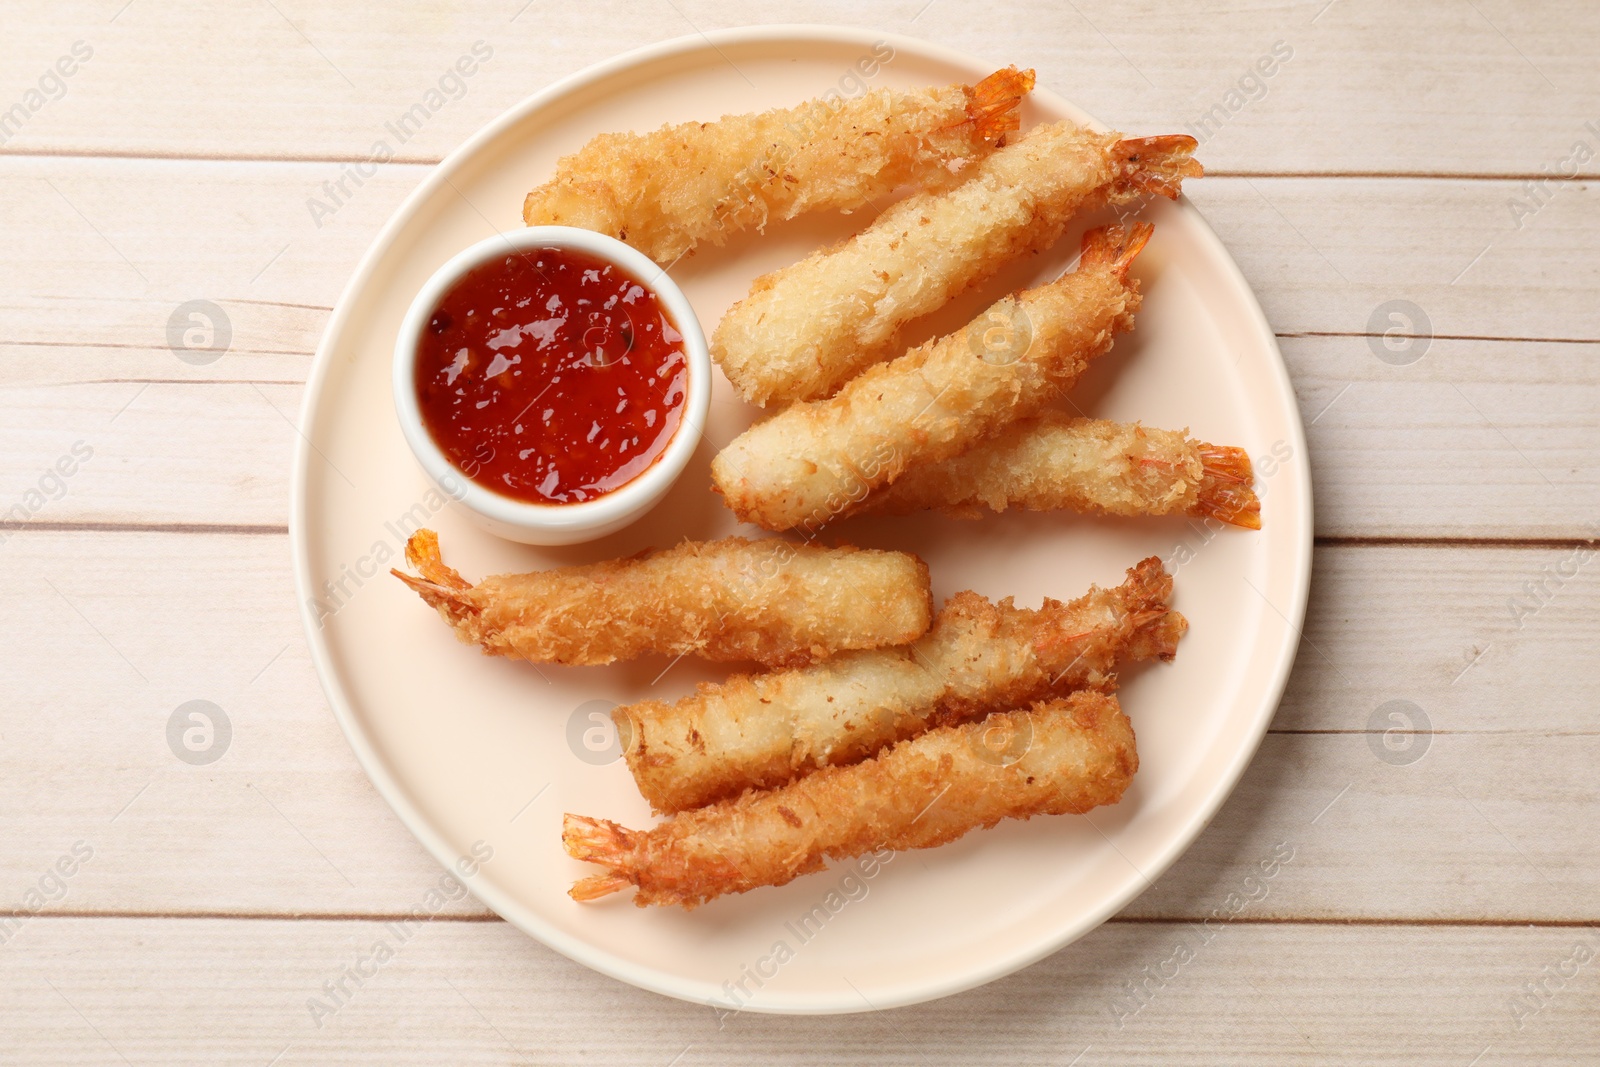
<point>551,376</point>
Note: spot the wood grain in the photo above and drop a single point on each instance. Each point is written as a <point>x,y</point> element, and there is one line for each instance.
<point>222,993</point>
<point>1391,448</point>
<point>1435,874</point>
<point>117,629</point>
<point>86,354</point>
<point>1484,88</point>
<point>103,250</point>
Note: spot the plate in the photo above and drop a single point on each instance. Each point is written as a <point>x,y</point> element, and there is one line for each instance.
<point>479,755</point>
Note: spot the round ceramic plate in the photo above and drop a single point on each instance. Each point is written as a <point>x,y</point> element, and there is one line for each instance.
<point>486,753</point>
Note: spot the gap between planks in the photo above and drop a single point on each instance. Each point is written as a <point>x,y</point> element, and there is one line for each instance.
<point>1288,731</point>
<point>201,528</point>
<point>306,354</point>
<point>1140,920</point>
<point>436,160</point>
<point>1320,541</point>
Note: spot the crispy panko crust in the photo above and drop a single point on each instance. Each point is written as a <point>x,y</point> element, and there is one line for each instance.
<point>699,182</point>
<point>804,466</point>
<point>770,601</point>
<point>1058,461</point>
<point>1067,755</point>
<point>761,731</point>
<point>807,329</point>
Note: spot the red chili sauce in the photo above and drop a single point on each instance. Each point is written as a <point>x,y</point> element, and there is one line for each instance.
<point>551,376</point>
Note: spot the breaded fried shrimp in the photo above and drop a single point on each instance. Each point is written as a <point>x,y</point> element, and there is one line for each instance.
<point>807,329</point>
<point>802,466</point>
<point>1067,755</point>
<point>770,601</point>
<point>1058,461</point>
<point>763,730</point>
<point>700,182</point>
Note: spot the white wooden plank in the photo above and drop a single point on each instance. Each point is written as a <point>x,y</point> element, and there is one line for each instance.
<point>1366,87</point>
<point>1392,444</point>
<point>1474,439</point>
<point>109,248</point>
<point>156,233</point>
<point>237,992</point>
<point>1478,827</point>
<point>164,452</point>
<point>105,250</point>
<point>1325,255</point>
<point>1483,640</point>
<point>111,632</point>
<point>1478,439</point>
<point>108,636</point>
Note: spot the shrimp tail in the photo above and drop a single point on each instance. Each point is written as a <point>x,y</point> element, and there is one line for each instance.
<point>604,842</point>
<point>440,586</point>
<point>422,552</point>
<point>1226,492</point>
<point>1115,247</point>
<point>1154,165</point>
<point>992,103</point>
<point>596,886</point>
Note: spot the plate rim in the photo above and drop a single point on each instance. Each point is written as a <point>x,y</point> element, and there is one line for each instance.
<point>580,951</point>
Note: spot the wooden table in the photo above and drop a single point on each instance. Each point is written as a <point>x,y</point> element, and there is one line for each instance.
<point>1387,191</point>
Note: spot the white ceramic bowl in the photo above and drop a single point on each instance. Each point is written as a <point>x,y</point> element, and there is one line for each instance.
<point>553,524</point>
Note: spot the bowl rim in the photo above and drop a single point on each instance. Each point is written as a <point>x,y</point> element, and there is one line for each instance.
<point>601,514</point>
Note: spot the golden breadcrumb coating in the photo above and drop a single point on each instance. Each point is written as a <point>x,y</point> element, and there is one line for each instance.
<point>1058,461</point>
<point>761,731</point>
<point>700,182</point>
<point>770,601</point>
<point>1067,755</point>
<point>806,465</point>
<point>807,329</point>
